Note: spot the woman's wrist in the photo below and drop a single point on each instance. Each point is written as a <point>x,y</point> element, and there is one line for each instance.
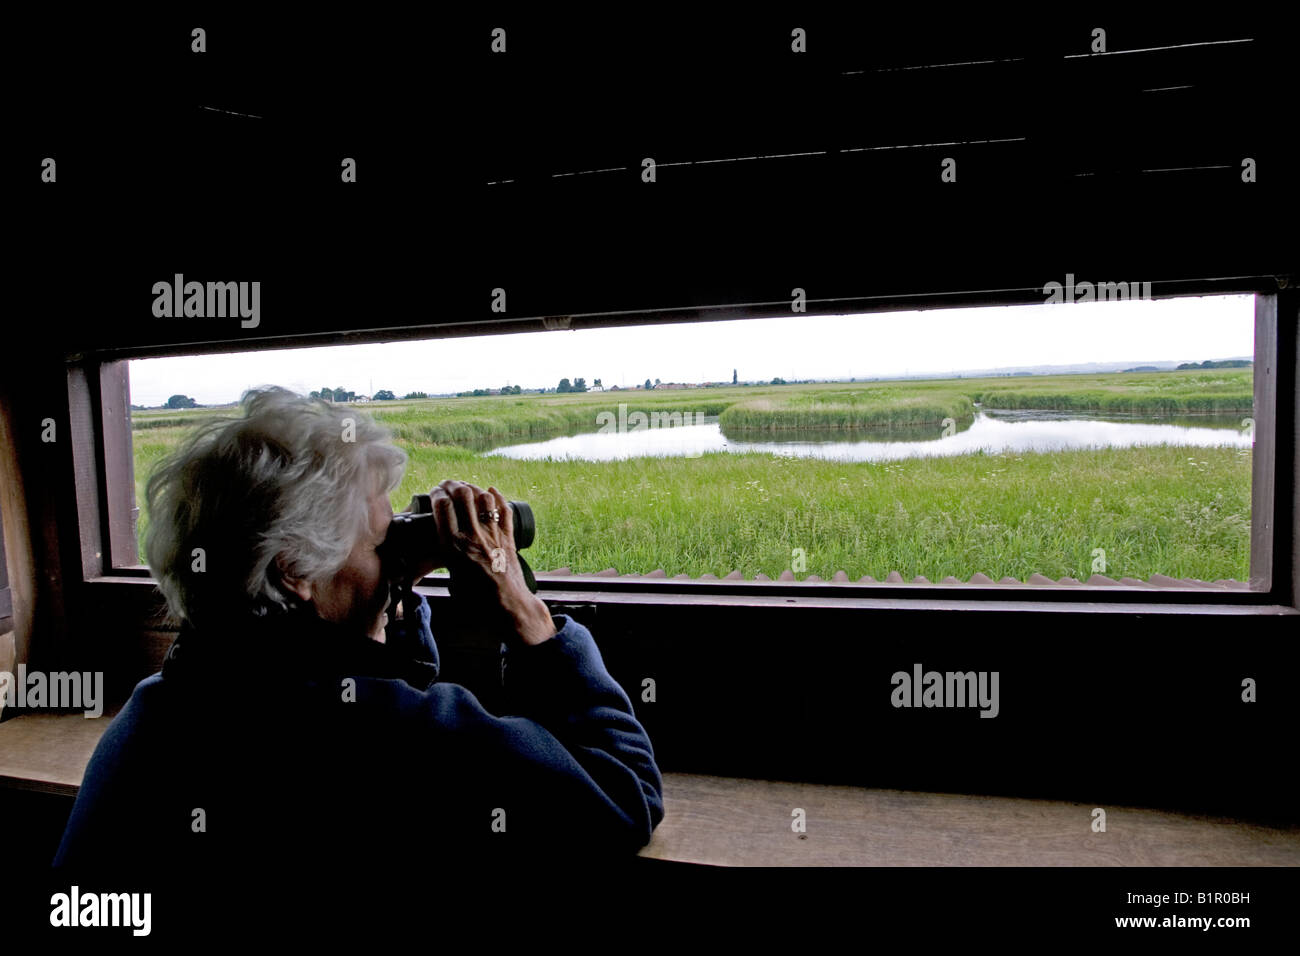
<point>533,622</point>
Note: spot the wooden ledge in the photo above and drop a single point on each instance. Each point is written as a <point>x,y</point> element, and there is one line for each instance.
<point>726,821</point>
<point>732,822</point>
<point>49,752</point>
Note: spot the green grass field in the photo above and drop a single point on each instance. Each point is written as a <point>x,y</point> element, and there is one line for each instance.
<point>1184,512</point>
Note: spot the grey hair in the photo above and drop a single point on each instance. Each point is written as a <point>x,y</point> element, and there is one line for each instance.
<point>290,482</point>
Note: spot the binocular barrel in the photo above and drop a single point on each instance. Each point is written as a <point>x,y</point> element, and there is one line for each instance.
<point>413,534</point>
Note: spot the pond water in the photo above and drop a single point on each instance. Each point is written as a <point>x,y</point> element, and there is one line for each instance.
<point>993,431</point>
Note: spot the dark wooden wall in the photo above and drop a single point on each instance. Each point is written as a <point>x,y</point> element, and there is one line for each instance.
<point>1118,167</point>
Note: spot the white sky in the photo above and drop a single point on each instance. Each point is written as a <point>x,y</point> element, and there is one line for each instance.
<point>938,341</point>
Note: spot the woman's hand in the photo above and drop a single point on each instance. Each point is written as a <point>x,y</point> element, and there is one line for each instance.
<point>480,552</point>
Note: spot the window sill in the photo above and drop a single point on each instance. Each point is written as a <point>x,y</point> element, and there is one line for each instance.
<point>1025,598</point>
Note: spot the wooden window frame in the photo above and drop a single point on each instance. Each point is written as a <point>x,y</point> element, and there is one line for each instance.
<point>98,394</point>
<point>6,598</point>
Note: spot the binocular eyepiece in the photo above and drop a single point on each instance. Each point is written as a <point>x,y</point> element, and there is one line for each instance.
<point>413,535</point>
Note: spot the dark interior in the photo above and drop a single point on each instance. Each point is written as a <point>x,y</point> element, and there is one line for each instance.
<point>1124,166</point>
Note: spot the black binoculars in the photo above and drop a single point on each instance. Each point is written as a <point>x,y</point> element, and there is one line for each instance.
<point>413,536</point>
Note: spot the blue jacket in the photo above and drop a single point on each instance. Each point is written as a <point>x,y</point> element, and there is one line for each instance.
<point>297,745</point>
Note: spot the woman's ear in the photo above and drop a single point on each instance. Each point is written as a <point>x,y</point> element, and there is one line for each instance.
<point>299,586</point>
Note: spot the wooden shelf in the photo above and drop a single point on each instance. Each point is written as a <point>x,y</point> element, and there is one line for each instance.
<point>48,752</point>
<point>726,821</point>
<point>733,822</point>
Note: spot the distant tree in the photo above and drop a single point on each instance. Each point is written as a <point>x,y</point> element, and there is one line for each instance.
<point>596,384</point>
<point>647,384</point>
<point>181,401</point>
<point>327,394</point>
<point>778,381</point>
<point>579,384</point>
<point>416,395</point>
<point>733,377</point>
<point>656,383</point>
<point>315,394</point>
<point>1227,363</point>
<point>564,386</point>
<point>384,395</point>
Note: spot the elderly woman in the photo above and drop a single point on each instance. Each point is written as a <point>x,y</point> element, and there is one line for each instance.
<point>298,721</point>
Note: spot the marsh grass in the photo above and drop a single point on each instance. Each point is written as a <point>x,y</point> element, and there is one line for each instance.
<point>1169,510</point>
<point>871,408</point>
<point>1187,392</point>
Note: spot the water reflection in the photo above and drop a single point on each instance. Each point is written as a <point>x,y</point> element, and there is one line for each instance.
<point>993,431</point>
